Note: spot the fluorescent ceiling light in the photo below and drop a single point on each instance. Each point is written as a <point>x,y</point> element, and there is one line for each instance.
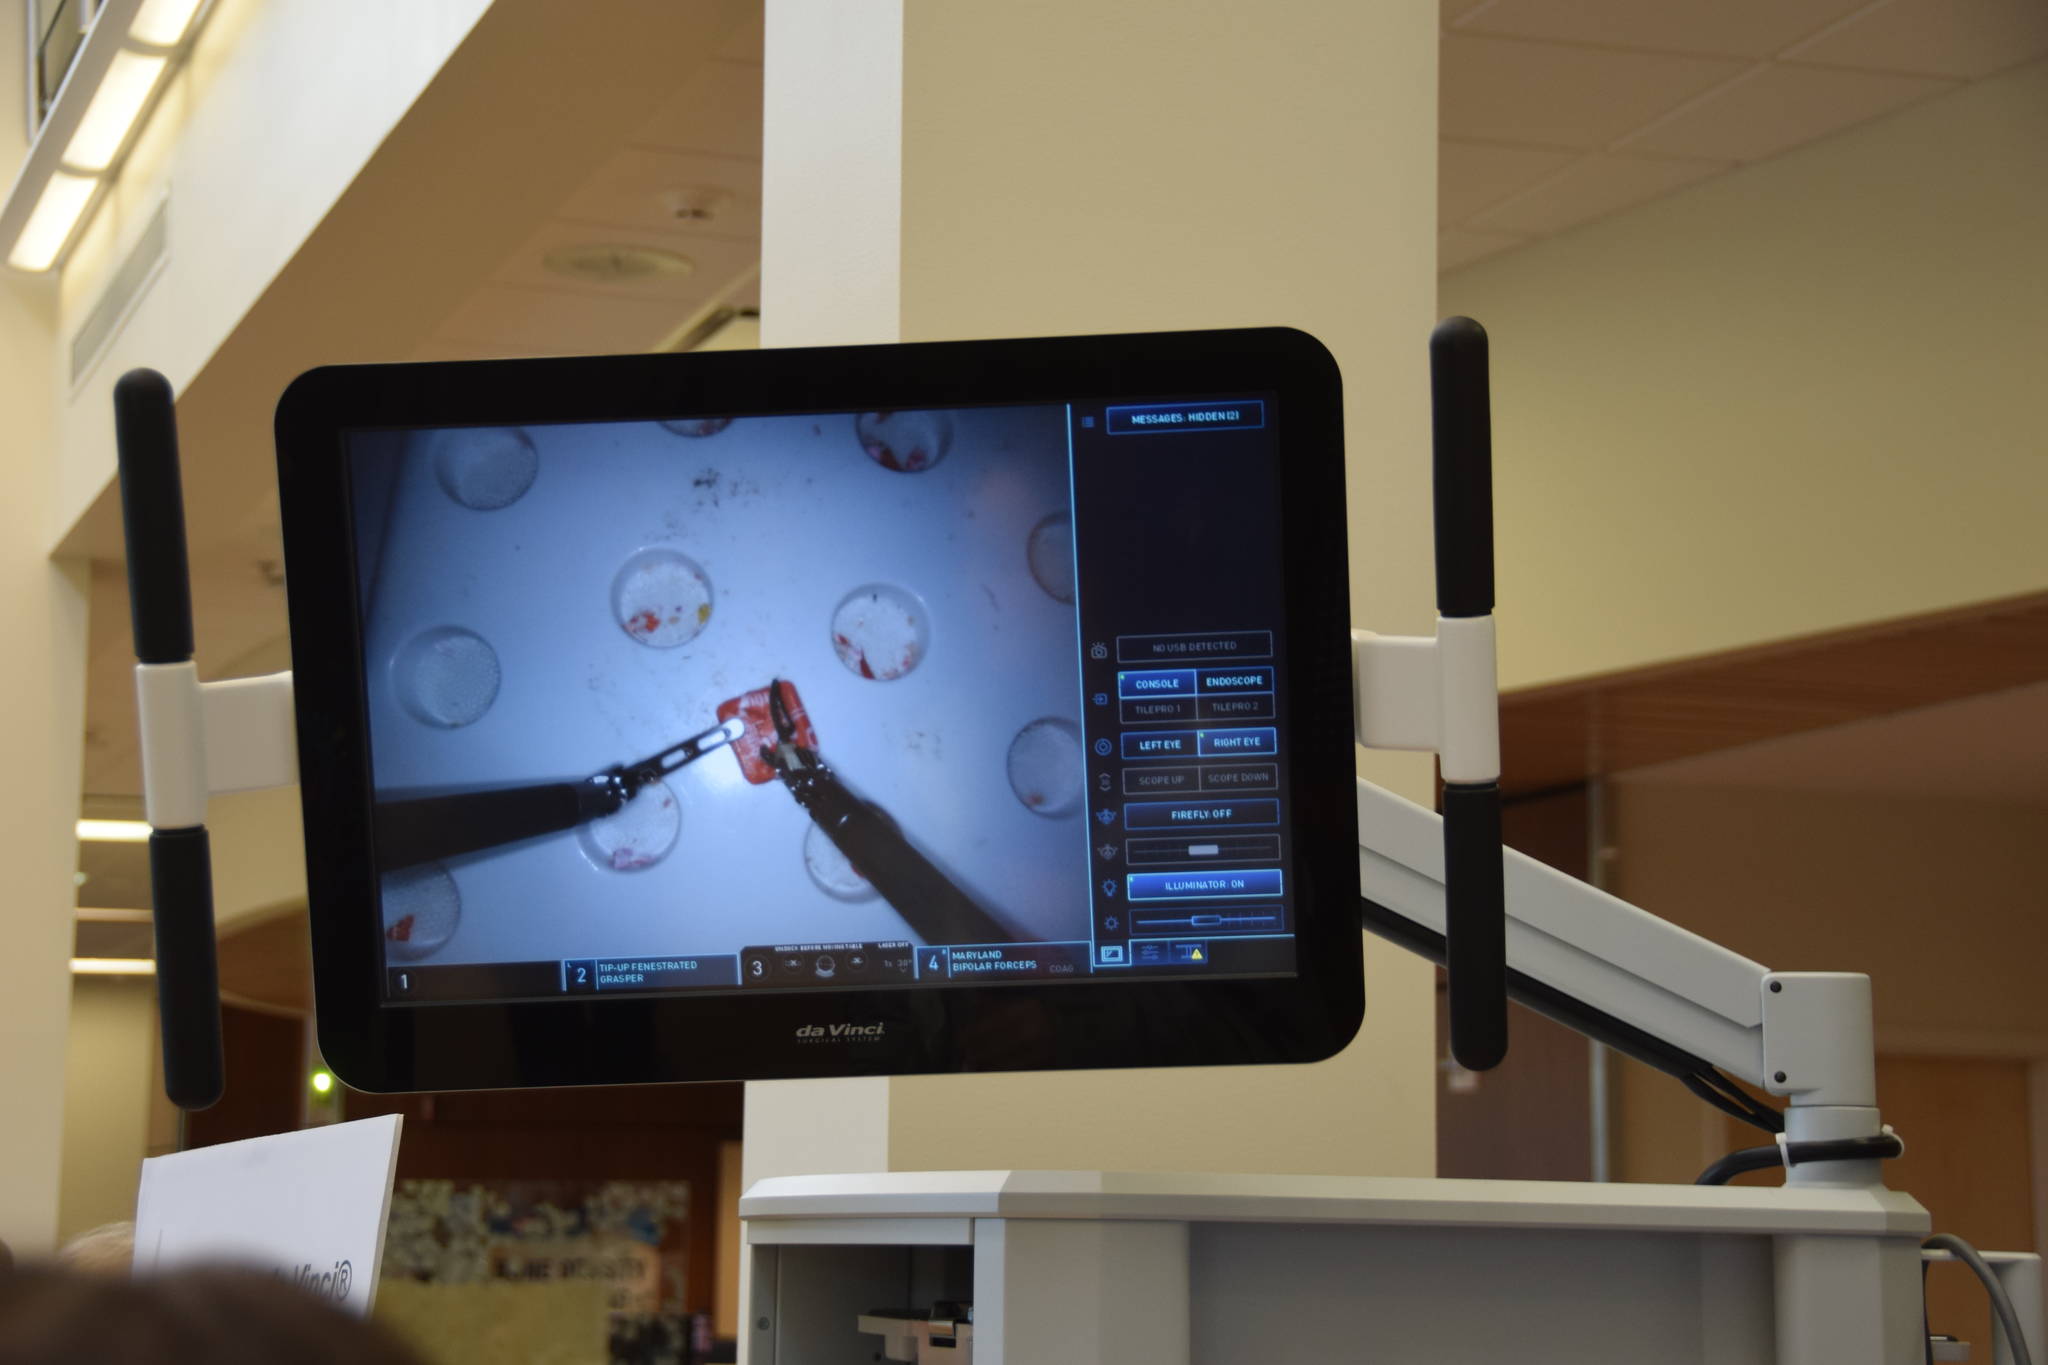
<point>162,23</point>
<point>49,226</point>
<point>115,107</point>
<point>114,831</point>
<point>113,966</point>
<point>94,915</point>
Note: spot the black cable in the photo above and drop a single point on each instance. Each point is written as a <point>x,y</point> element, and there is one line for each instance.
<point>1695,1073</point>
<point>2001,1302</point>
<point>1877,1147</point>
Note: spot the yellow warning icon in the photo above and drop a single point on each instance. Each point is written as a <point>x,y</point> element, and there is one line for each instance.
<point>1198,955</point>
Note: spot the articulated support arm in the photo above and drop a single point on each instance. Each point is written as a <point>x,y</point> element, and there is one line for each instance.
<point>1804,1035</point>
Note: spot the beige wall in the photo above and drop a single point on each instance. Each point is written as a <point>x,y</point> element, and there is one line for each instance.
<point>1039,175</point>
<point>266,123</point>
<point>42,619</point>
<point>1792,398</point>
<point>258,133</point>
<point>1943,903</point>
<point>110,1072</point>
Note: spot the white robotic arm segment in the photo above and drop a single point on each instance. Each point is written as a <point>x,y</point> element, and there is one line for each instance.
<point>1431,693</point>
<point>202,738</point>
<point>1802,1034</point>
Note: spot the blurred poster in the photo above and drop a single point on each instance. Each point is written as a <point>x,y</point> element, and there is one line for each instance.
<point>618,1247</point>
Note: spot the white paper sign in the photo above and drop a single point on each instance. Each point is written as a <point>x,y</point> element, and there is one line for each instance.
<point>310,1206</point>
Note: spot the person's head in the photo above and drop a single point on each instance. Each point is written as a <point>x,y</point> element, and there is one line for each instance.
<point>108,1249</point>
<point>55,1316</point>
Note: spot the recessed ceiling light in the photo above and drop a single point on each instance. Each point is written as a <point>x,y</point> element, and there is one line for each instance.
<point>114,831</point>
<point>113,966</point>
<point>162,23</point>
<point>49,226</point>
<point>617,263</point>
<point>115,107</point>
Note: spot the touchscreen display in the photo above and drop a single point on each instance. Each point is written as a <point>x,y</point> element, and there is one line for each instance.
<point>831,700</point>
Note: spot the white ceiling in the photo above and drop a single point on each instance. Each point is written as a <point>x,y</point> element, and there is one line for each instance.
<point>1554,112</point>
<point>1991,748</point>
<point>1557,112</point>
<point>700,153</point>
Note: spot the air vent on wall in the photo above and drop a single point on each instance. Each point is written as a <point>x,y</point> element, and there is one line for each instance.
<point>122,293</point>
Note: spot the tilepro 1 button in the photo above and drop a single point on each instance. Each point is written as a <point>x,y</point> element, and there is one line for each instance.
<point>1153,710</point>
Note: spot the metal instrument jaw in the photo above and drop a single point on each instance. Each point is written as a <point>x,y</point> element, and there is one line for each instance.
<point>632,777</point>
<point>787,755</point>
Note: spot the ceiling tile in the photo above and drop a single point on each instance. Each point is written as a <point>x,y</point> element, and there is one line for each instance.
<point>1779,107</point>
<point>717,111</point>
<point>1730,28</point>
<point>645,189</point>
<point>1461,246</point>
<point>516,318</point>
<point>1471,176</point>
<point>717,262</point>
<point>1592,188</point>
<point>1962,38</point>
<point>747,39</point>
<point>1558,95</point>
<point>451,348</point>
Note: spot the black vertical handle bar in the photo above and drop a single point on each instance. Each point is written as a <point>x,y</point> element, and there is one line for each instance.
<point>1475,911</point>
<point>180,860</point>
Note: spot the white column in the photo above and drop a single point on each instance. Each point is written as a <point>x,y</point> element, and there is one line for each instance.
<point>42,677</point>
<point>961,168</point>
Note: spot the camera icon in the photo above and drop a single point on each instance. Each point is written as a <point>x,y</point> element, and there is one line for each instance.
<point>1098,650</point>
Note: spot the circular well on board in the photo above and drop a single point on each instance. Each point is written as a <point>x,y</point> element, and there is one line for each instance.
<point>661,598</point>
<point>422,907</point>
<point>907,442</point>
<point>636,836</point>
<point>832,870</point>
<point>485,468</point>
<point>1050,552</point>
<point>1046,768</point>
<point>446,676</point>
<point>697,427</point>
<point>880,631</point>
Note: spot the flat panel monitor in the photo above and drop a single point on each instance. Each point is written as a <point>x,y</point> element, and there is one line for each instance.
<point>864,710</point>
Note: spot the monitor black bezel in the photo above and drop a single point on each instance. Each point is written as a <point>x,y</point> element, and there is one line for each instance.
<point>1096,1022</point>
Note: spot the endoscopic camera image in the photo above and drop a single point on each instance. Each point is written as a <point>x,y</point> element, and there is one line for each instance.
<point>659,688</point>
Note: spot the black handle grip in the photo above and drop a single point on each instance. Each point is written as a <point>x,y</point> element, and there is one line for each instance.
<point>1462,426</point>
<point>153,514</point>
<point>180,860</point>
<point>187,980</point>
<point>1475,924</point>
<point>929,902</point>
<point>1475,910</point>
<point>430,828</point>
